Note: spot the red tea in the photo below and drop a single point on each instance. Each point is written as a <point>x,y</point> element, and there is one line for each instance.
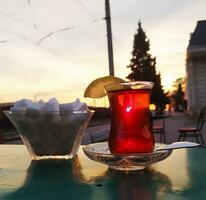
<point>130,131</point>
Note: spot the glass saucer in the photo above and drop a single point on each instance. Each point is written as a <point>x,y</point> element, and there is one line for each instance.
<point>100,152</point>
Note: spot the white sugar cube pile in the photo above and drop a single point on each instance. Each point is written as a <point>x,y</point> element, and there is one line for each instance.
<point>51,105</point>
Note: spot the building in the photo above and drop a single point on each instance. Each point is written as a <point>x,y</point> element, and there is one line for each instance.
<point>196,69</point>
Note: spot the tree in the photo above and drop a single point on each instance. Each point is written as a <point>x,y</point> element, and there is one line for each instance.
<point>181,81</point>
<point>177,92</point>
<point>179,98</point>
<point>158,97</point>
<point>143,67</point>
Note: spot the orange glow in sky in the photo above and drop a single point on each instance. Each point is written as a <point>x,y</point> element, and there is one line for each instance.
<point>56,48</point>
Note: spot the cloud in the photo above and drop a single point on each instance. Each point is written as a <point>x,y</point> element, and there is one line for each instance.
<point>73,58</point>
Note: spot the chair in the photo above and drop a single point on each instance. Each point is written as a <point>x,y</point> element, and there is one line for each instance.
<point>158,127</point>
<point>194,131</point>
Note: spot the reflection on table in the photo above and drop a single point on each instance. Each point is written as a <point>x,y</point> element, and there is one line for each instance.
<point>181,176</point>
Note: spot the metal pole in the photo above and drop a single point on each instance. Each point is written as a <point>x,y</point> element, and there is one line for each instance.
<point>109,38</point>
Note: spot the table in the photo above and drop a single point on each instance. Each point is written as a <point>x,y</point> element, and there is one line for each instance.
<point>181,176</point>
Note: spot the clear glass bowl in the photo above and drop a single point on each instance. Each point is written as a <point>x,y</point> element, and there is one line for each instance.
<point>50,135</point>
<point>100,152</point>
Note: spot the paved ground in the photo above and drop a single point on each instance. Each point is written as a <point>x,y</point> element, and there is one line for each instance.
<point>100,130</point>
<point>176,121</point>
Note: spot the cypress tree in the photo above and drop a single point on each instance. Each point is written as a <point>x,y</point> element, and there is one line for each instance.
<point>143,67</point>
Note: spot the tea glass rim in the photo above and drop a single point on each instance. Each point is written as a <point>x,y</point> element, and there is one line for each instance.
<point>133,85</point>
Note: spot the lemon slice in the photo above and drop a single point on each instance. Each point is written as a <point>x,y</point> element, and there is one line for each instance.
<point>96,88</point>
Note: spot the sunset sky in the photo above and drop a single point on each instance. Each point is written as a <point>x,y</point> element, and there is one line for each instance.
<point>75,51</point>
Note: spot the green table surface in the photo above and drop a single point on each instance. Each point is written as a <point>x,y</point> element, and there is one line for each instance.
<point>181,176</point>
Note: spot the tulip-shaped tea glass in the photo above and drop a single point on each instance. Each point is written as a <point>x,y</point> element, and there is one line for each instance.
<point>131,130</point>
